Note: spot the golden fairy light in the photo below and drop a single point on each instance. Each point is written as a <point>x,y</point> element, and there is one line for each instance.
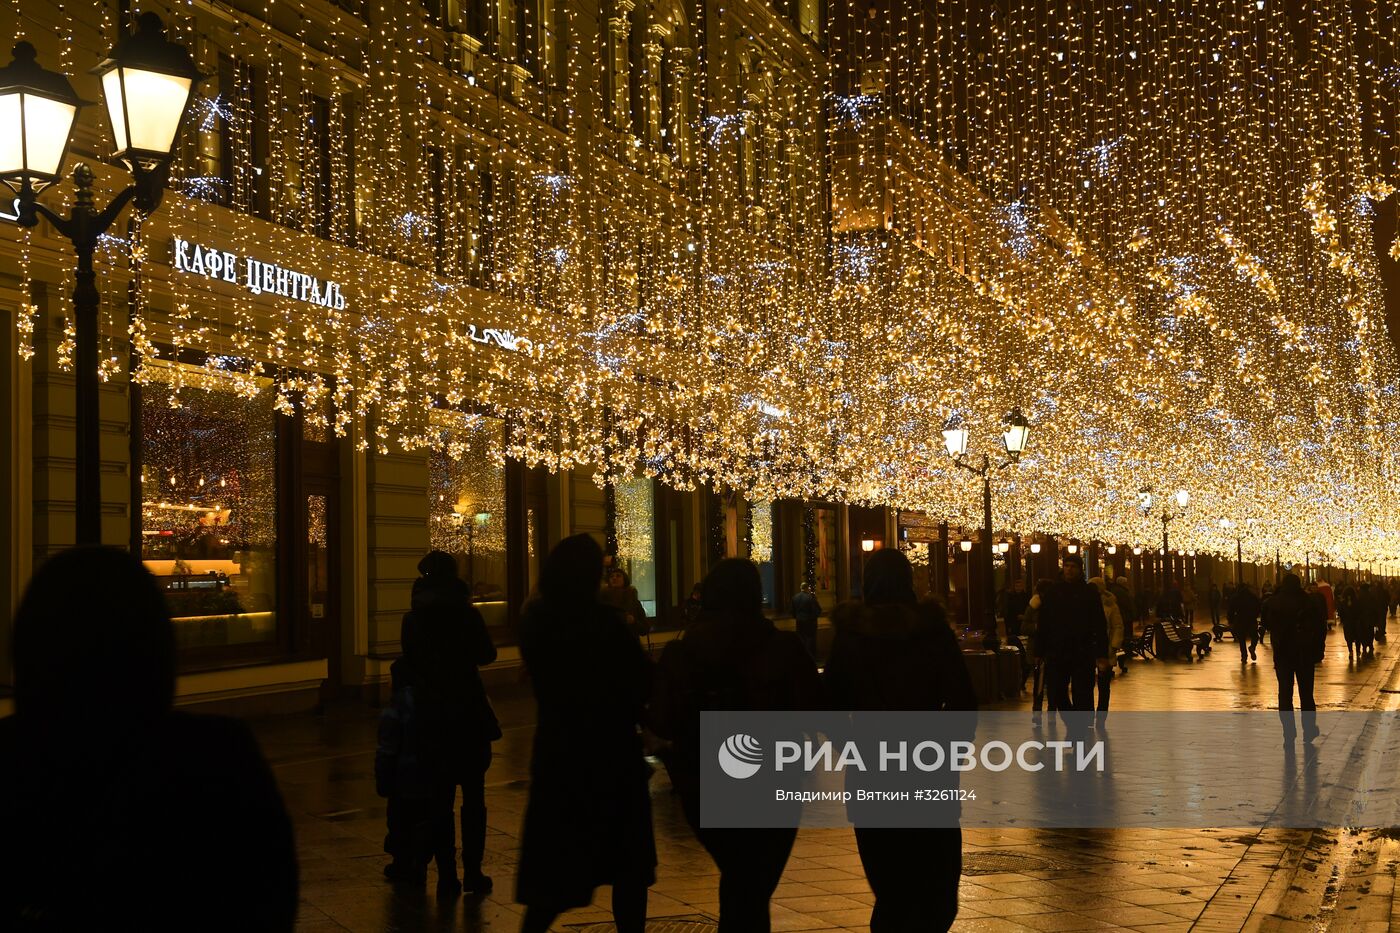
<point>1148,227</point>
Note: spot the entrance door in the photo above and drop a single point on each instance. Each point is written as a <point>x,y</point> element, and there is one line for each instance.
<point>320,576</point>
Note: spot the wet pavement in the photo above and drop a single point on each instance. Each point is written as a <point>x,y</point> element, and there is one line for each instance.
<point>1014,880</point>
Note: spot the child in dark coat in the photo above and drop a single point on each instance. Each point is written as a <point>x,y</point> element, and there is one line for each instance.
<point>399,777</point>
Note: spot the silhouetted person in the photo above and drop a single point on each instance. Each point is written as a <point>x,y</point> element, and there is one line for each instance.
<point>588,820</point>
<point>1378,602</point>
<point>399,777</point>
<point>1013,609</point>
<point>445,642</point>
<point>1216,600</point>
<point>116,812</point>
<point>1104,675</point>
<point>1072,638</point>
<point>894,653</point>
<point>732,658</point>
<point>1243,612</point>
<point>1352,615</point>
<point>1298,629</point>
<point>1030,631</point>
<point>806,610</point>
<point>1171,605</point>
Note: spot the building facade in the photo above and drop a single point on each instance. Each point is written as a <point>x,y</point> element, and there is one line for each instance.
<point>341,155</point>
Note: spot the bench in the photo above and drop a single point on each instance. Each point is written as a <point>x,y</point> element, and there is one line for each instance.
<point>1177,639</point>
<point>1140,646</point>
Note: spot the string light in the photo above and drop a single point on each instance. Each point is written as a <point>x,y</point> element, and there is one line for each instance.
<point>1150,228</point>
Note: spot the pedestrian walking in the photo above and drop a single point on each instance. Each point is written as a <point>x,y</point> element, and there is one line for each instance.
<point>806,610</point>
<point>1298,631</point>
<point>1030,631</point>
<point>1353,615</point>
<point>445,643</point>
<point>1366,626</point>
<point>1380,600</point>
<point>588,818</point>
<point>1188,603</point>
<point>1113,617</point>
<point>732,658</point>
<point>1243,612</point>
<point>1073,638</point>
<point>893,653</point>
<point>118,811</point>
<point>1216,599</point>
<point>1013,609</point>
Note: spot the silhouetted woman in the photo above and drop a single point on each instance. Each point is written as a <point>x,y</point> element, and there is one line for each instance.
<point>732,658</point>
<point>118,812</point>
<point>894,653</point>
<point>588,820</point>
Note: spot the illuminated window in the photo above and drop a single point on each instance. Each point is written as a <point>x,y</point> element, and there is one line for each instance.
<point>467,505</point>
<point>209,504</point>
<point>636,550</point>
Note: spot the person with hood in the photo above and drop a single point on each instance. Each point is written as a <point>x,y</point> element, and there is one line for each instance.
<point>732,658</point>
<point>892,652</point>
<point>1114,618</point>
<point>1243,615</point>
<point>119,812</point>
<point>1298,630</point>
<point>588,818</point>
<point>1073,638</point>
<point>445,643</point>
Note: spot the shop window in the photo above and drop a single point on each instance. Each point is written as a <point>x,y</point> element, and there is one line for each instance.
<point>761,549</point>
<point>636,530</point>
<point>825,520</point>
<point>467,506</point>
<point>208,511</point>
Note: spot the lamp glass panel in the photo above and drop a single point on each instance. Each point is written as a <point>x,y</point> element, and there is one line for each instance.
<point>11,136</point>
<point>116,107</point>
<point>955,440</point>
<point>153,104</point>
<point>1015,438</point>
<point>47,125</point>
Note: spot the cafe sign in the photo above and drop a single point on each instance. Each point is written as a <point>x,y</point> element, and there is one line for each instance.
<point>255,275</point>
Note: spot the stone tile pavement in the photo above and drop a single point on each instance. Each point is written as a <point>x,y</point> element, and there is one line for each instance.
<point>1014,880</point>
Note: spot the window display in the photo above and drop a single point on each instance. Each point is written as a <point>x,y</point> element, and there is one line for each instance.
<point>467,504</point>
<point>209,502</point>
<point>636,551</point>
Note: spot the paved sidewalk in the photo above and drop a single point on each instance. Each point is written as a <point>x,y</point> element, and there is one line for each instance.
<point>1014,880</point>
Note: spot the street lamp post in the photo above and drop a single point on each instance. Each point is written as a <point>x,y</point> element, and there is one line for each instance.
<point>1226,525</point>
<point>1014,440</point>
<point>1182,497</point>
<point>147,84</point>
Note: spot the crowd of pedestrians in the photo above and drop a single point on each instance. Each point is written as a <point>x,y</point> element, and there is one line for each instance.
<point>890,651</point>
<point>189,800</point>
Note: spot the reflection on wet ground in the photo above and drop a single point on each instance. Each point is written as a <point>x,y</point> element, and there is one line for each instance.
<point>1014,880</point>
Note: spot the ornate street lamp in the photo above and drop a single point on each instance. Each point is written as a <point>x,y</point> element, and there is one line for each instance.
<point>37,110</point>
<point>1014,438</point>
<point>147,82</point>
